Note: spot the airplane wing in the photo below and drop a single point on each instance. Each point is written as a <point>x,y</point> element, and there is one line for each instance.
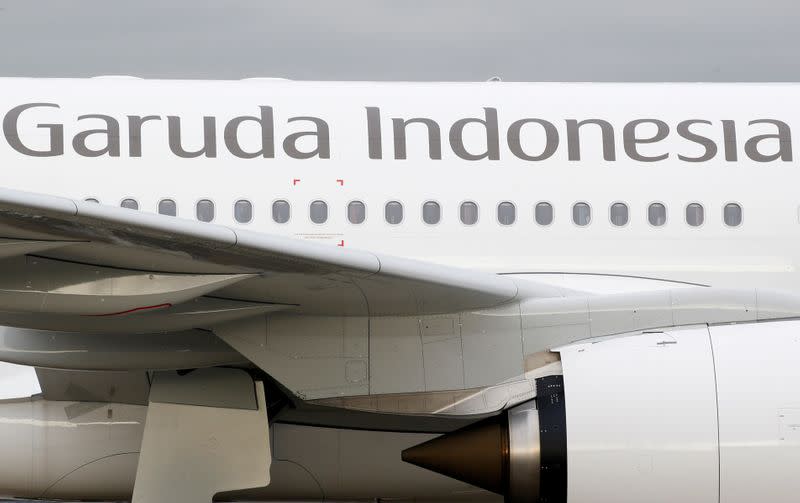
<point>81,266</point>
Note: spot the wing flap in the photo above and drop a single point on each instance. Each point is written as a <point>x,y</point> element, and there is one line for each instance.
<point>199,312</point>
<point>99,387</point>
<point>19,247</point>
<point>38,285</point>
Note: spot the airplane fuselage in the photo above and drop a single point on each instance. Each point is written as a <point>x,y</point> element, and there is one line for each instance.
<point>623,195</point>
<point>277,147</point>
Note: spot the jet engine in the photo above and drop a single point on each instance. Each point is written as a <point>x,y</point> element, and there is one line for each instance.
<point>698,414</point>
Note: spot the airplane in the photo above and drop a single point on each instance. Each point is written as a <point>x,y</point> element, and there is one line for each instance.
<point>268,290</point>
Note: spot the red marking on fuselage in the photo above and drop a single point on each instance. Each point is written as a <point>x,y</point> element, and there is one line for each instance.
<point>295,181</point>
<point>340,181</point>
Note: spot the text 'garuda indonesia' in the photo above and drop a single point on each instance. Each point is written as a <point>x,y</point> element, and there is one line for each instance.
<point>471,138</point>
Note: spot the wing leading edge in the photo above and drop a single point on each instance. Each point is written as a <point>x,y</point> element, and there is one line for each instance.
<point>104,254</point>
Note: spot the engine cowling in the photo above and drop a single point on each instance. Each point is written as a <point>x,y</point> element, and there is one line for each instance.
<point>696,414</point>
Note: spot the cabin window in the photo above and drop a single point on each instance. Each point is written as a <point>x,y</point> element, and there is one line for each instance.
<point>281,211</point>
<point>431,212</point>
<point>618,213</point>
<point>91,200</point>
<point>468,212</point>
<point>243,211</point>
<point>356,212</point>
<point>543,213</point>
<point>129,203</point>
<point>732,215</point>
<point>168,207</point>
<point>695,215</point>
<point>318,212</point>
<point>581,214</point>
<point>205,210</point>
<point>506,213</point>
<point>394,212</point>
<point>657,214</point>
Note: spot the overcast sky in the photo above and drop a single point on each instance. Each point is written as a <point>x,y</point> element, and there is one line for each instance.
<point>601,40</point>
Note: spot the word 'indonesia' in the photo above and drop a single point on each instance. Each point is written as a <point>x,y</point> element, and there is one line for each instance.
<point>529,139</point>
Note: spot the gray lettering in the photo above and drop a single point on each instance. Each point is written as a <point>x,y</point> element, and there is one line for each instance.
<point>111,133</point>
<point>707,143</point>
<point>322,134</point>
<point>434,137</point>
<point>784,137</point>
<point>135,132</point>
<point>209,138</point>
<point>729,135</point>
<point>573,138</point>
<point>492,137</point>
<point>11,132</point>
<point>267,125</point>
<point>515,142</point>
<point>374,133</point>
<point>630,140</point>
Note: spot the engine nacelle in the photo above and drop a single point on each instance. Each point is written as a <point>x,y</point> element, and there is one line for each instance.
<point>696,414</point>
<point>69,450</point>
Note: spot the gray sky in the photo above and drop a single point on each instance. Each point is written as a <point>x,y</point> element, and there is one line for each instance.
<point>601,40</point>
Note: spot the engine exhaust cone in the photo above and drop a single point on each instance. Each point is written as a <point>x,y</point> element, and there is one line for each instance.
<point>477,454</point>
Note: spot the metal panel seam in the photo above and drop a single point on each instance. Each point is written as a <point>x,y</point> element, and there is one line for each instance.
<point>716,402</point>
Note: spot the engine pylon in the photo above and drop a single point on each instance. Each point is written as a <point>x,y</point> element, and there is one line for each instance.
<point>206,432</point>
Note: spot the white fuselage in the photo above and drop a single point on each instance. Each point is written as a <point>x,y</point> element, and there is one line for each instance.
<point>348,160</point>
<point>647,417</point>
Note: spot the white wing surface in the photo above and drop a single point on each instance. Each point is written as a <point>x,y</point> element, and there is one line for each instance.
<point>83,266</point>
